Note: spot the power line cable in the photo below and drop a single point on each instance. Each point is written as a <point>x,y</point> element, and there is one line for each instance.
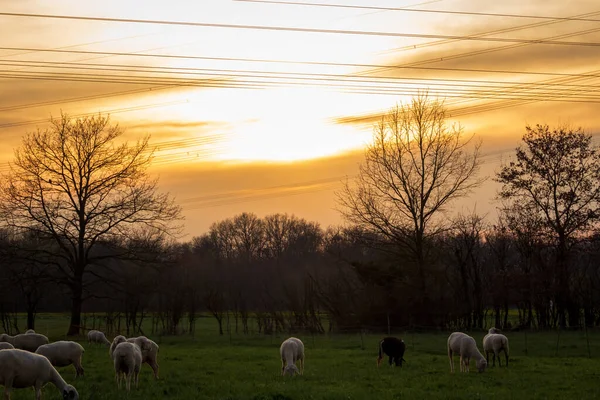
<point>417,10</point>
<point>305,30</point>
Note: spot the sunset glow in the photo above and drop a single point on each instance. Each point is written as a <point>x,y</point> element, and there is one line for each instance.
<point>229,88</point>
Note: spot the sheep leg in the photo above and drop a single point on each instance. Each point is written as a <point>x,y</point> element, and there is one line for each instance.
<point>451,363</point>
<point>302,366</point>
<point>390,360</point>
<point>38,391</point>
<point>282,366</point>
<point>78,369</point>
<point>462,366</point>
<point>6,393</point>
<point>154,365</point>
<point>506,354</point>
<point>128,381</point>
<point>136,376</point>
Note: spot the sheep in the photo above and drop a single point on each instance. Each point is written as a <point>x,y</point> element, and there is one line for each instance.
<point>149,352</point>
<point>29,331</point>
<point>127,359</point>
<point>21,369</point>
<point>63,353</point>
<point>95,336</point>
<point>6,345</point>
<point>291,351</point>
<point>466,347</point>
<point>394,348</point>
<point>494,342</point>
<point>148,347</point>
<point>25,341</point>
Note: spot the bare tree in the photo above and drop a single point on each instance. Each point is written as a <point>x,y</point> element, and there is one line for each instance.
<point>414,168</point>
<point>556,176</point>
<point>77,185</point>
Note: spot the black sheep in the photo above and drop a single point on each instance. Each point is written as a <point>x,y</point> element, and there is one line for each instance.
<point>394,348</point>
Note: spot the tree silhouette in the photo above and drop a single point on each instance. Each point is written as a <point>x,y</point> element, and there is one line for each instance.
<point>76,184</point>
<point>556,177</point>
<point>414,168</point>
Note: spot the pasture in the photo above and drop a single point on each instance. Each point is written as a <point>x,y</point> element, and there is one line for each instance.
<point>341,366</point>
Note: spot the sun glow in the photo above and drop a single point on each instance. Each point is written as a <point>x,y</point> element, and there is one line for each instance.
<point>288,140</point>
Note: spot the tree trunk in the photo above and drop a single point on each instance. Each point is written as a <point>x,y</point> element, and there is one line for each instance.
<point>30,318</point>
<point>77,300</point>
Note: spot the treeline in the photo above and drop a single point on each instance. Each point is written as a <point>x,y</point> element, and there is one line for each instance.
<point>289,274</point>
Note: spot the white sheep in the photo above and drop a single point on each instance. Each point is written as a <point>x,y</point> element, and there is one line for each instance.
<point>29,331</point>
<point>25,341</point>
<point>6,345</point>
<point>127,359</point>
<point>149,350</point>
<point>464,345</point>
<point>21,369</point>
<point>148,347</point>
<point>63,353</point>
<point>292,351</point>
<point>95,336</point>
<point>494,342</point>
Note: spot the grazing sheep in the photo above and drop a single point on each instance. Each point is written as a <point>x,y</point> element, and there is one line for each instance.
<point>25,341</point>
<point>127,359</point>
<point>21,369</point>
<point>148,347</point>
<point>63,353</point>
<point>29,331</point>
<point>149,352</point>
<point>95,336</point>
<point>495,342</point>
<point>292,350</point>
<point>466,347</point>
<point>6,345</point>
<point>394,348</point>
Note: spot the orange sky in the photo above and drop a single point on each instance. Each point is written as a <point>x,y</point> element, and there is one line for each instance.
<point>265,136</point>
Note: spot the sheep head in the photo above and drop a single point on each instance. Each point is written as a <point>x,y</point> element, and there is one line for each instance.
<point>70,393</point>
<point>493,330</point>
<point>291,370</point>
<point>481,364</point>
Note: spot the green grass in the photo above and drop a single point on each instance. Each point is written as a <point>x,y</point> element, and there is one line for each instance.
<point>209,366</point>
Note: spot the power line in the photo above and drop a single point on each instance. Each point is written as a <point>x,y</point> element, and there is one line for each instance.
<point>417,10</point>
<point>256,73</point>
<point>82,98</point>
<point>448,88</point>
<point>479,52</point>
<point>306,30</point>
<point>496,31</point>
<point>299,62</point>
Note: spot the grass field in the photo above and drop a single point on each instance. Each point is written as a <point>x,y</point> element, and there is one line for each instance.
<point>209,366</point>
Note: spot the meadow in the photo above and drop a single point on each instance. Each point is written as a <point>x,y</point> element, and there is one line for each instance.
<point>543,365</point>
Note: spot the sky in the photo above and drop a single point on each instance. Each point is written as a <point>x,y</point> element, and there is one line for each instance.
<point>260,107</point>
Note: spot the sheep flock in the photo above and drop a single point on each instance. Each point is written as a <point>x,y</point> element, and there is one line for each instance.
<point>30,359</point>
